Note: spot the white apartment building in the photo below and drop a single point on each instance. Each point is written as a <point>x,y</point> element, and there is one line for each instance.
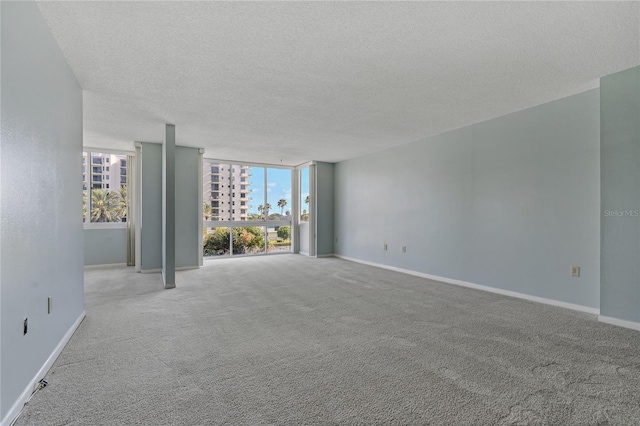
<point>227,189</point>
<point>104,171</point>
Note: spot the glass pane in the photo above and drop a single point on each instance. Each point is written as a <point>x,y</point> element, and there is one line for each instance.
<point>279,239</point>
<point>250,188</point>
<point>304,195</point>
<point>215,242</point>
<point>84,187</point>
<point>108,190</point>
<point>248,240</point>
<point>216,191</point>
<point>279,194</point>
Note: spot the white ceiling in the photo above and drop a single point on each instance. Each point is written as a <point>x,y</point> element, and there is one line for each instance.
<point>298,81</point>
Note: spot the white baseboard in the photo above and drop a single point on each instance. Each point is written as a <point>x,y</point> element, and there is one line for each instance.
<point>150,271</point>
<point>184,268</point>
<point>619,322</point>
<point>34,383</point>
<point>572,306</point>
<point>104,265</point>
<point>325,255</point>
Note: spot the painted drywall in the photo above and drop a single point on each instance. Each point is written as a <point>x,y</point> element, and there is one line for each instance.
<point>41,240</point>
<point>186,211</point>
<point>304,237</point>
<point>620,197</point>
<point>510,203</point>
<point>169,207</point>
<point>188,207</point>
<point>105,246</point>
<point>151,206</point>
<point>324,208</point>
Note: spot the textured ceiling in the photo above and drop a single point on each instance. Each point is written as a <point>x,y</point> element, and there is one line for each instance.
<point>298,81</point>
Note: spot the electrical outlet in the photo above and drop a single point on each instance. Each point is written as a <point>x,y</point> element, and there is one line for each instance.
<point>575,271</point>
<point>25,326</point>
<point>385,246</point>
<point>404,249</point>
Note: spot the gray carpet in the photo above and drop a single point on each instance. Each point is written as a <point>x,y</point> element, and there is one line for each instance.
<point>291,340</point>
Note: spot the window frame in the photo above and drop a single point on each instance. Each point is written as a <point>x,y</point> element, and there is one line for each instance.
<point>264,223</point>
<point>87,163</point>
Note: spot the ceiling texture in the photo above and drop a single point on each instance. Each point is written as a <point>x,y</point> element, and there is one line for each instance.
<point>288,82</point>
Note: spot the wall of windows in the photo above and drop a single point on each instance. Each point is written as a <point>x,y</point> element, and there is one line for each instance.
<point>104,187</point>
<point>246,209</point>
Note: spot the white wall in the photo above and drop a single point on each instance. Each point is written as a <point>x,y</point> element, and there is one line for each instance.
<point>510,203</point>
<point>41,201</point>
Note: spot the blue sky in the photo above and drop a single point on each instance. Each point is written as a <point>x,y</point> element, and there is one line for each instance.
<point>278,187</point>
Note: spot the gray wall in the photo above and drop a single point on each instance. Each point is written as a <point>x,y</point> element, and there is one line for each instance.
<point>510,203</point>
<point>324,208</point>
<point>169,207</point>
<point>151,203</point>
<point>188,208</point>
<point>620,168</point>
<point>41,241</point>
<point>105,246</point>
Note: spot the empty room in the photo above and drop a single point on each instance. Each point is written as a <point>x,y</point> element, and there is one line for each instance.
<point>258,213</point>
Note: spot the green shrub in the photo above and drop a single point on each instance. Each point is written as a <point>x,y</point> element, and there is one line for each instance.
<point>284,232</point>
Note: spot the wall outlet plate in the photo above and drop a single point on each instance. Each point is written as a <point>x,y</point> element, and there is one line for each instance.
<point>404,249</point>
<point>575,271</point>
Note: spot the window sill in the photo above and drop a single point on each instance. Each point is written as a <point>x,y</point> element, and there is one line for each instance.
<point>105,225</point>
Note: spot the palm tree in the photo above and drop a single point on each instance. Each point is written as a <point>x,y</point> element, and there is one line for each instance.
<point>123,201</point>
<point>282,203</point>
<point>264,210</point>
<point>105,206</point>
<point>206,210</point>
<point>84,205</point>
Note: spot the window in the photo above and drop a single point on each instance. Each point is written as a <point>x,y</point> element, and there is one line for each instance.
<point>279,193</point>
<point>264,197</point>
<point>304,195</point>
<point>106,200</point>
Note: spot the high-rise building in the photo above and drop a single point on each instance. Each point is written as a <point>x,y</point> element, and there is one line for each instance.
<point>104,171</point>
<point>227,189</point>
